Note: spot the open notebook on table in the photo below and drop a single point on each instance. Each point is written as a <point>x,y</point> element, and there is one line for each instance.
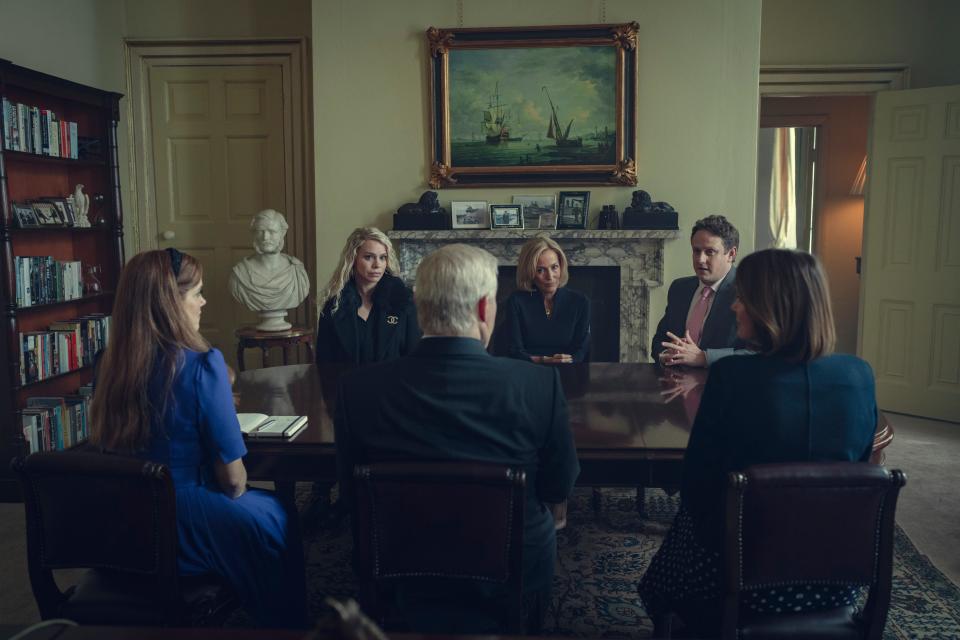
<point>259,425</point>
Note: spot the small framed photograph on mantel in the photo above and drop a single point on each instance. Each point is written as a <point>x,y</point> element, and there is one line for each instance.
<point>534,207</point>
<point>573,210</point>
<point>506,216</point>
<point>469,215</point>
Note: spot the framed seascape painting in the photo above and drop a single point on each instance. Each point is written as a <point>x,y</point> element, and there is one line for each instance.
<point>574,210</point>
<point>533,105</point>
<point>469,215</point>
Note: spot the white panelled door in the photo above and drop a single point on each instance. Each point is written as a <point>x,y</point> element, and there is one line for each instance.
<point>217,140</point>
<point>910,298</point>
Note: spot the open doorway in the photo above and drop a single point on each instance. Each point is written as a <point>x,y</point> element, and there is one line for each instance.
<point>786,183</point>
<point>828,151</point>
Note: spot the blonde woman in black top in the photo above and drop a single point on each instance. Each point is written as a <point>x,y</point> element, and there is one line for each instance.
<point>548,322</point>
<point>368,313</point>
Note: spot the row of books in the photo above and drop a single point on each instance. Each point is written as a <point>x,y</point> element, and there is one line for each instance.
<point>41,279</point>
<point>51,423</point>
<point>68,345</point>
<point>36,130</point>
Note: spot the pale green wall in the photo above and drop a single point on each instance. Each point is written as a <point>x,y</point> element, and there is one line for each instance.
<point>920,33</point>
<point>76,39</point>
<point>216,18</point>
<point>697,109</point>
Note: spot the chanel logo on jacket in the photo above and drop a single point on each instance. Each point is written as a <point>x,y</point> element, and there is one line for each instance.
<point>392,319</point>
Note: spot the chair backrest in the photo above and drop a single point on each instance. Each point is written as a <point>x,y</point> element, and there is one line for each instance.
<point>828,523</point>
<point>458,521</point>
<point>99,511</point>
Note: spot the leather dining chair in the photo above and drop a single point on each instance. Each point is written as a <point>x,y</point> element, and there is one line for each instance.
<point>116,517</point>
<point>828,523</point>
<point>433,532</point>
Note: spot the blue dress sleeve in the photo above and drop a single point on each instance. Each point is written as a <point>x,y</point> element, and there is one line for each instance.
<point>218,419</point>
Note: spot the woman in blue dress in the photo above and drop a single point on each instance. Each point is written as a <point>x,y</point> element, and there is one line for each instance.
<point>163,394</point>
<point>793,401</point>
<point>548,322</point>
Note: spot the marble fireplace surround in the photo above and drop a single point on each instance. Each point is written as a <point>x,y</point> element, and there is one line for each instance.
<point>638,254</point>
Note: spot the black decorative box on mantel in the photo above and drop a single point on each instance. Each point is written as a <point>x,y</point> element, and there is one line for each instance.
<point>645,220</point>
<point>420,221</point>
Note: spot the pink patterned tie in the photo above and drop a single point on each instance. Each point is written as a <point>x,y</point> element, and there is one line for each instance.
<point>695,323</point>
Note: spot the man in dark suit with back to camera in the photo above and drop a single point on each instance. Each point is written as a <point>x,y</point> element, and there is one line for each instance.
<point>451,400</point>
<point>699,327</point>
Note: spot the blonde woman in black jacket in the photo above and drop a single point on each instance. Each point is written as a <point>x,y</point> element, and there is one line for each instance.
<point>368,313</point>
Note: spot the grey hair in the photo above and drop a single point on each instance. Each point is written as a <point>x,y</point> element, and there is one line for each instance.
<point>450,281</point>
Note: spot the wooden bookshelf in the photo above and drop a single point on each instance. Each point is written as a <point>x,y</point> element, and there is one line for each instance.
<point>25,177</point>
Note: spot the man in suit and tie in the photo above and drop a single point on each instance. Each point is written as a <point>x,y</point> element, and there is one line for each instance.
<point>451,400</point>
<point>699,327</point>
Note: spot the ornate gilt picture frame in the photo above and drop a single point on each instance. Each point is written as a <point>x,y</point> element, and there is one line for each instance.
<point>533,105</point>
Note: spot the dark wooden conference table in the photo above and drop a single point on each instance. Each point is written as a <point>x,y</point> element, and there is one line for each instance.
<point>630,421</point>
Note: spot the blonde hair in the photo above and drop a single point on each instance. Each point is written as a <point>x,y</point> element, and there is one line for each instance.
<point>450,282</point>
<point>149,323</point>
<point>527,263</point>
<point>785,295</point>
<point>343,273</point>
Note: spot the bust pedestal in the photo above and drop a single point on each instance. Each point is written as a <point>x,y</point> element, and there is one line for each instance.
<point>273,320</point>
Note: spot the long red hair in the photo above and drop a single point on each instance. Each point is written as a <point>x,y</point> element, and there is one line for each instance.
<point>149,324</point>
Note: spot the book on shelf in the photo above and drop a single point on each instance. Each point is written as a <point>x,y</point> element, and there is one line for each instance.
<point>66,346</point>
<point>31,129</point>
<point>41,279</point>
<point>51,423</point>
<point>260,425</point>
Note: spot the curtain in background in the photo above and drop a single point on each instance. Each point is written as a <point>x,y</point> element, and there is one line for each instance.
<point>783,196</point>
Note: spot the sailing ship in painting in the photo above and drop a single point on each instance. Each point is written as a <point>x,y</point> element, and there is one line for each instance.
<point>494,124</point>
<point>557,133</point>
<point>503,138</point>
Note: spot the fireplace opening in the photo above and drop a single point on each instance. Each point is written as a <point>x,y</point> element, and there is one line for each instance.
<point>600,284</point>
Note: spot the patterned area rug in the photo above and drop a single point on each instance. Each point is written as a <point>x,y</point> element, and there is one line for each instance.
<point>602,555</point>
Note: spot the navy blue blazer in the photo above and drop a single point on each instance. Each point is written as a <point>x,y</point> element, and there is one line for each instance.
<point>720,328</point>
<point>451,400</point>
<point>394,317</point>
<point>533,334</point>
<point>760,409</point>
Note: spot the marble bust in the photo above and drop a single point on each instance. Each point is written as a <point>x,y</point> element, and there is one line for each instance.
<point>269,282</point>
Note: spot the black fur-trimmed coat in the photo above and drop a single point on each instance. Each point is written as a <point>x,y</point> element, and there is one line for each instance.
<point>395,326</point>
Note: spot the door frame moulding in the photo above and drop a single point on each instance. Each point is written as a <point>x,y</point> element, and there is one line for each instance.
<point>291,54</point>
<point>807,80</point>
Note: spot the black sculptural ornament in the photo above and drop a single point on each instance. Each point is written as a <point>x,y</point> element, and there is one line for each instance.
<point>429,202</point>
<point>639,201</point>
<point>426,213</point>
<point>643,213</point>
<point>609,218</point>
